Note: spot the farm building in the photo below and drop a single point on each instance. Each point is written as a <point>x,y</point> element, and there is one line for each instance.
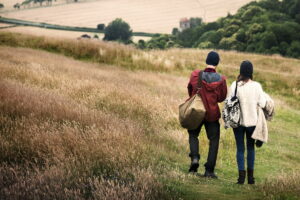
<point>184,23</point>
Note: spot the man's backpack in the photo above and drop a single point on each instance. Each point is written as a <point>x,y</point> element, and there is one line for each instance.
<point>232,111</point>
<point>192,112</point>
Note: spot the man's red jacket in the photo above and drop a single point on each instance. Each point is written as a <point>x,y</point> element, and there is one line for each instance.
<point>211,93</point>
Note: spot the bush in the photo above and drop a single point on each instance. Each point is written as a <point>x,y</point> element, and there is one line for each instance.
<point>118,30</point>
<point>228,43</point>
<point>101,27</point>
<point>283,47</point>
<point>230,30</point>
<point>294,50</point>
<point>241,35</point>
<point>213,37</point>
<point>205,45</point>
<point>269,40</point>
<point>141,44</point>
<point>195,22</point>
<point>1,5</point>
<point>175,31</point>
<point>251,12</point>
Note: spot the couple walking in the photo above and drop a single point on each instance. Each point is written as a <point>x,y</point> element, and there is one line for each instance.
<point>214,91</point>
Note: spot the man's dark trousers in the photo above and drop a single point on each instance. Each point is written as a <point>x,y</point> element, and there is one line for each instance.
<point>213,135</point>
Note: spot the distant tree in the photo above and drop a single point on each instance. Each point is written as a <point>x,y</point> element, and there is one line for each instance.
<point>195,21</point>
<point>251,12</point>
<point>141,44</point>
<point>291,7</point>
<point>230,30</point>
<point>241,35</point>
<point>101,27</point>
<point>175,31</point>
<point>297,18</point>
<point>283,48</point>
<point>213,37</point>
<point>205,45</point>
<point>268,40</point>
<point>17,6</point>
<point>273,5</point>
<point>118,30</point>
<point>227,43</point>
<point>1,5</point>
<point>39,1</point>
<point>294,49</point>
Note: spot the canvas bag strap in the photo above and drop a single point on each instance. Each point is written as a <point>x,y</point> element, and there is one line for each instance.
<point>199,80</point>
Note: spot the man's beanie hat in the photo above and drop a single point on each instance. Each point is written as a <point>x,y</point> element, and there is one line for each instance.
<point>246,69</point>
<point>213,58</point>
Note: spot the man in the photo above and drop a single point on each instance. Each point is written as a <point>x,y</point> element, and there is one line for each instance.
<point>213,91</point>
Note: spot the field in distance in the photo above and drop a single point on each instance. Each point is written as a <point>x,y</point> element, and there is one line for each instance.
<point>153,16</point>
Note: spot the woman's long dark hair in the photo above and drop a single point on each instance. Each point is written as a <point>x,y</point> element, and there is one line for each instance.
<point>243,78</point>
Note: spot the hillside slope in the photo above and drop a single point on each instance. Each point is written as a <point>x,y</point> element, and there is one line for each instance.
<point>82,130</point>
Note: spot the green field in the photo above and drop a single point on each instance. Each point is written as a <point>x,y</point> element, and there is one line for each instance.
<point>86,120</point>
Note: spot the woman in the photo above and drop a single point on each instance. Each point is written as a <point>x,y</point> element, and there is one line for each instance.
<point>250,95</point>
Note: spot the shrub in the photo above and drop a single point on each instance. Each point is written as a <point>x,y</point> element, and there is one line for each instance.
<point>118,30</point>
<point>230,30</point>
<point>269,40</point>
<point>175,31</point>
<point>195,21</point>
<point>212,37</point>
<point>101,27</point>
<point>294,50</point>
<point>251,12</point>
<point>141,44</point>
<point>228,43</point>
<point>241,35</point>
<point>283,47</point>
<point>205,45</point>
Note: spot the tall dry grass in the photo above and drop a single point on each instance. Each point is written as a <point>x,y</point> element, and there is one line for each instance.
<point>82,131</point>
<point>284,186</point>
<point>78,130</point>
<point>278,75</point>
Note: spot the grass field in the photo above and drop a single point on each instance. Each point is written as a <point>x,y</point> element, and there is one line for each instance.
<point>143,15</point>
<point>50,33</point>
<point>103,124</point>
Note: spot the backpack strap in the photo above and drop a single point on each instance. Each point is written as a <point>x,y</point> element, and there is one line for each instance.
<point>235,91</point>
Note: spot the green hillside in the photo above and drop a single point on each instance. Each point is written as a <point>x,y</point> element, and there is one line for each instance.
<point>86,120</point>
<point>264,26</point>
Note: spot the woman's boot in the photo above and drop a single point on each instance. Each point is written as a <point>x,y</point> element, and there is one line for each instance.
<point>251,179</point>
<point>242,176</point>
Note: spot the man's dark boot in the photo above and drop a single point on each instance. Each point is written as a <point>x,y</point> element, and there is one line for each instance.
<point>194,165</point>
<point>242,176</point>
<point>251,179</point>
<point>210,174</point>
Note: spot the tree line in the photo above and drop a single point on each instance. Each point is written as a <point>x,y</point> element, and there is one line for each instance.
<point>29,3</point>
<point>266,26</point>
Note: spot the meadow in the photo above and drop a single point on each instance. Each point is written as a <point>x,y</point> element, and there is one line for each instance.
<point>98,120</point>
<point>51,33</point>
<point>147,16</point>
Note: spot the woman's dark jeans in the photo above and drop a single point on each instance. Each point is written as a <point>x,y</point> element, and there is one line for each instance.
<point>239,134</point>
<point>213,134</point>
